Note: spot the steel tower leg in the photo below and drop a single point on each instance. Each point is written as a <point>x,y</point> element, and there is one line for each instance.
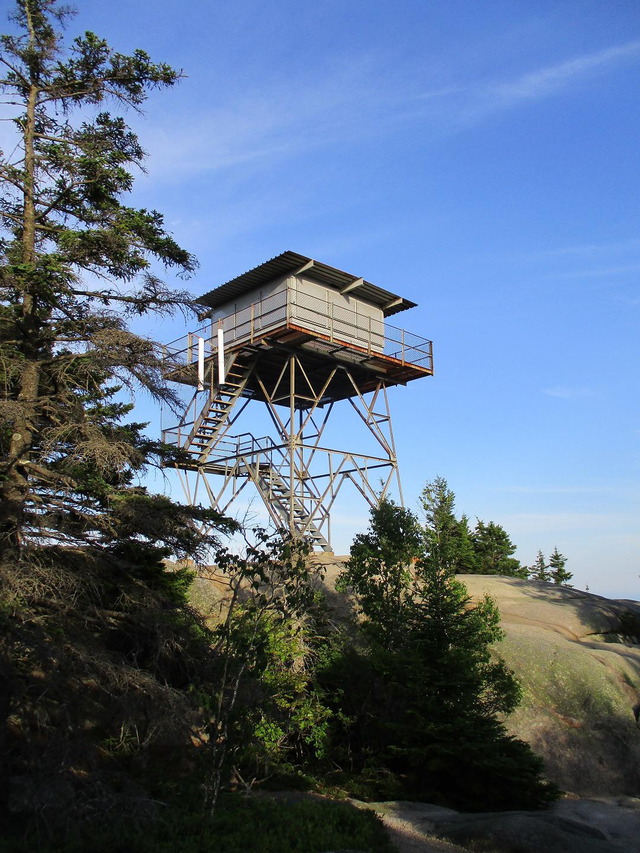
<point>297,476</point>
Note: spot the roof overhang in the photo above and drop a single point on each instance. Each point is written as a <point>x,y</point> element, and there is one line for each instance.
<point>291,263</point>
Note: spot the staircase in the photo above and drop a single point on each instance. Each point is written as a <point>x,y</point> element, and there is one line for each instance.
<point>276,493</point>
<point>215,415</point>
<point>205,439</point>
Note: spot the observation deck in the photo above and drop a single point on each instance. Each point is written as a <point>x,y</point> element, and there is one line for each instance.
<point>321,333</point>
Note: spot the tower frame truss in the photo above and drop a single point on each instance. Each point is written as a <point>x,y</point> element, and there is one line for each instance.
<point>278,355</point>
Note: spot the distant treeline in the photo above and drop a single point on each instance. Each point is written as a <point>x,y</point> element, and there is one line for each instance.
<point>486,549</point>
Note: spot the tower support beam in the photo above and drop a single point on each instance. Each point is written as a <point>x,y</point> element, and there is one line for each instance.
<point>286,342</point>
<point>298,477</point>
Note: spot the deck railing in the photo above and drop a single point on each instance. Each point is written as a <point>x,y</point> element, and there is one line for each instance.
<point>301,310</point>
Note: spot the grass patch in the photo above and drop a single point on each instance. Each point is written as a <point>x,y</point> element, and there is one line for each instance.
<point>240,825</point>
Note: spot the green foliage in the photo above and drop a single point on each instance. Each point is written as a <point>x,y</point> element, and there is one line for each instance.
<point>553,571</point>
<point>539,571</point>
<point>557,572</point>
<point>447,540</point>
<point>281,719</point>
<point>485,550</point>
<point>266,716</point>
<point>240,825</point>
<point>100,648</point>
<point>431,707</point>
<point>75,261</point>
<point>493,551</point>
<point>379,568</point>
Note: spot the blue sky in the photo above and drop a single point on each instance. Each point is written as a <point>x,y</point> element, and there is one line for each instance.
<point>478,158</point>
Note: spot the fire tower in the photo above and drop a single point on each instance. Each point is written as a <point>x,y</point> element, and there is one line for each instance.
<point>296,337</point>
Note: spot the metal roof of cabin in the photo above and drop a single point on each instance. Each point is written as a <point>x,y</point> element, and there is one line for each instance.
<point>289,263</point>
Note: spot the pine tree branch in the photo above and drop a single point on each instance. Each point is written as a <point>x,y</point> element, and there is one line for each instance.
<point>14,70</point>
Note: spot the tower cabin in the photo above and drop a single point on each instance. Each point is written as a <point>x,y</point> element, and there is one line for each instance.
<point>298,336</point>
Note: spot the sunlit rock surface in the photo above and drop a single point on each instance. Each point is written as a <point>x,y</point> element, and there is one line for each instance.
<point>578,660</point>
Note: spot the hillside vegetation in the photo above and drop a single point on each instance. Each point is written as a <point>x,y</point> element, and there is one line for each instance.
<point>148,672</point>
<point>576,656</point>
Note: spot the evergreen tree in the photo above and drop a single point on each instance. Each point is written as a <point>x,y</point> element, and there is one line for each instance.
<point>75,261</point>
<point>447,539</point>
<point>493,550</point>
<point>380,567</point>
<point>539,571</point>
<point>98,646</point>
<point>557,572</point>
<point>436,695</point>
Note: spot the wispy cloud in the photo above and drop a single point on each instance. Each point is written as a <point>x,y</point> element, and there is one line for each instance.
<point>591,249</point>
<point>556,78</point>
<point>478,101</point>
<point>277,120</point>
<point>360,97</point>
<point>570,393</point>
<point>602,272</point>
<point>560,490</point>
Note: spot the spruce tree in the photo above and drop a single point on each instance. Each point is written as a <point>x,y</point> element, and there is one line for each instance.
<point>447,539</point>
<point>539,571</point>
<point>75,261</point>
<point>380,566</point>
<point>493,549</point>
<point>557,572</point>
<point>436,695</point>
<point>98,647</point>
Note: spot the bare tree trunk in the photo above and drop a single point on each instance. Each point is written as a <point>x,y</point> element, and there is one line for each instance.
<point>15,486</point>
